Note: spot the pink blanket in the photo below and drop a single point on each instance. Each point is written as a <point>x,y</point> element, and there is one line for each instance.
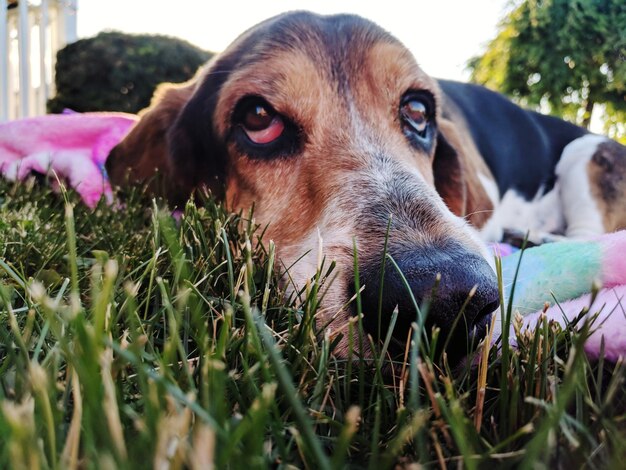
<point>609,325</point>
<point>71,147</point>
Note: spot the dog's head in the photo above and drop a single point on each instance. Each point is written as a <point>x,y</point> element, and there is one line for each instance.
<point>330,128</point>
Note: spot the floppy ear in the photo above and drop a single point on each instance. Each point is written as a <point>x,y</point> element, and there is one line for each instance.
<point>448,174</point>
<point>195,157</point>
<point>456,168</point>
<point>142,156</point>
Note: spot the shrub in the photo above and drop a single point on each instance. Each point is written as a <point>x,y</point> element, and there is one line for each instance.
<point>114,71</point>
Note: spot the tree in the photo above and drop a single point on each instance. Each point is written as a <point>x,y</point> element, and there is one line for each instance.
<point>118,72</point>
<point>564,55</point>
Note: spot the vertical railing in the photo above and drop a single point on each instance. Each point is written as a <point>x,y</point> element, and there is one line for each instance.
<point>4,61</point>
<point>30,36</point>
<point>44,88</point>
<point>23,45</point>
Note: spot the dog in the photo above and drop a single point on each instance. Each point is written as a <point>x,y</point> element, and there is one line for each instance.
<point>331,129</point>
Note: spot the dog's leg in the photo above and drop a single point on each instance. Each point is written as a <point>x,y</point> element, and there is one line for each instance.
<point>607,179</point>
<point>582,211</point>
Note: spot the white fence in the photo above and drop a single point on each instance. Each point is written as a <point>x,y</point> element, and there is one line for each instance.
<point>31,33</point>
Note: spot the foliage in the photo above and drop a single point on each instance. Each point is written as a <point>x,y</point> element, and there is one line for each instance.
<point>568,54</point>
<point>119,72</point>
<point>130,341</point>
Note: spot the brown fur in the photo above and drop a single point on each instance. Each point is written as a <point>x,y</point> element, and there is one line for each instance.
<point>607,177</point>
<point>464,193</point>
<point>144,151</point>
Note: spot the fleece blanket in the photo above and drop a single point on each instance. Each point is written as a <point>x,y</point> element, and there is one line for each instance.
<point>73,148</point>
<point>562,274</point>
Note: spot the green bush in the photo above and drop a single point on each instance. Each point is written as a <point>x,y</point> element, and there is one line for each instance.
<point>118,72</point>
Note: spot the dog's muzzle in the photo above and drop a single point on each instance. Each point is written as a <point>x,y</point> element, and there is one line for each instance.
<point>459,287</point>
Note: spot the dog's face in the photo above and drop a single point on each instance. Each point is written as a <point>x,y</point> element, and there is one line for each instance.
<point>330,128</point>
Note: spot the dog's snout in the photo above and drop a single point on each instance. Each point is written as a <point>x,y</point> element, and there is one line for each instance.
<point>459,286</point>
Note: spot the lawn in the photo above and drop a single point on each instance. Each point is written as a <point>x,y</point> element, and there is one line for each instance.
<point>128,340</point>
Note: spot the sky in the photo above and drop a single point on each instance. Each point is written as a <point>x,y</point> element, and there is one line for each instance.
<point>442,34</point>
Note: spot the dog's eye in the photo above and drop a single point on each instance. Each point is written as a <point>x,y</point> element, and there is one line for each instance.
<point>262,124</point>
<point>417,118</point>
<point>262,133</point>
<point>415,114</point>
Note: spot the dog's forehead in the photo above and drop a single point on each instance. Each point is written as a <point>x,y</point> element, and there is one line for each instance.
<point>332,38</point>
<point>301,56</point>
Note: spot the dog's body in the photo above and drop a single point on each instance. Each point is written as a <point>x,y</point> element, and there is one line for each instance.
<point>548,176</point>
<point>329,127</point>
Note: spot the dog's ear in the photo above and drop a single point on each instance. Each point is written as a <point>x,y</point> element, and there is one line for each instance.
<point>456,168</point>
<point>448,174</point>
<point>142,156</point>
<point>196,158</point>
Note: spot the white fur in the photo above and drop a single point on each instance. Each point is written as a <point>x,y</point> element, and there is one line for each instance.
<point>490,187</point>
<point>582,215</point>
<point>492,231</point>
<point>568,208</point>
<point>541,214</point>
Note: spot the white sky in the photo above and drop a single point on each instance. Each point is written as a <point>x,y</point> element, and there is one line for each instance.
<point>442,34</point>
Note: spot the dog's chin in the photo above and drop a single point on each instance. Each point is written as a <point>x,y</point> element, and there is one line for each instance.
<point>459,347</point>
<point>479,331</point>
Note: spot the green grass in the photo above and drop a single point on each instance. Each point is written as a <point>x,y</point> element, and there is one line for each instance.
<point>127,341</point>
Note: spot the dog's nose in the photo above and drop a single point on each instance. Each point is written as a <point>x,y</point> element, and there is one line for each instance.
<point>461,317</point>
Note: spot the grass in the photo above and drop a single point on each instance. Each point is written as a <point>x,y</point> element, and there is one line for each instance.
<point>128,341</point>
